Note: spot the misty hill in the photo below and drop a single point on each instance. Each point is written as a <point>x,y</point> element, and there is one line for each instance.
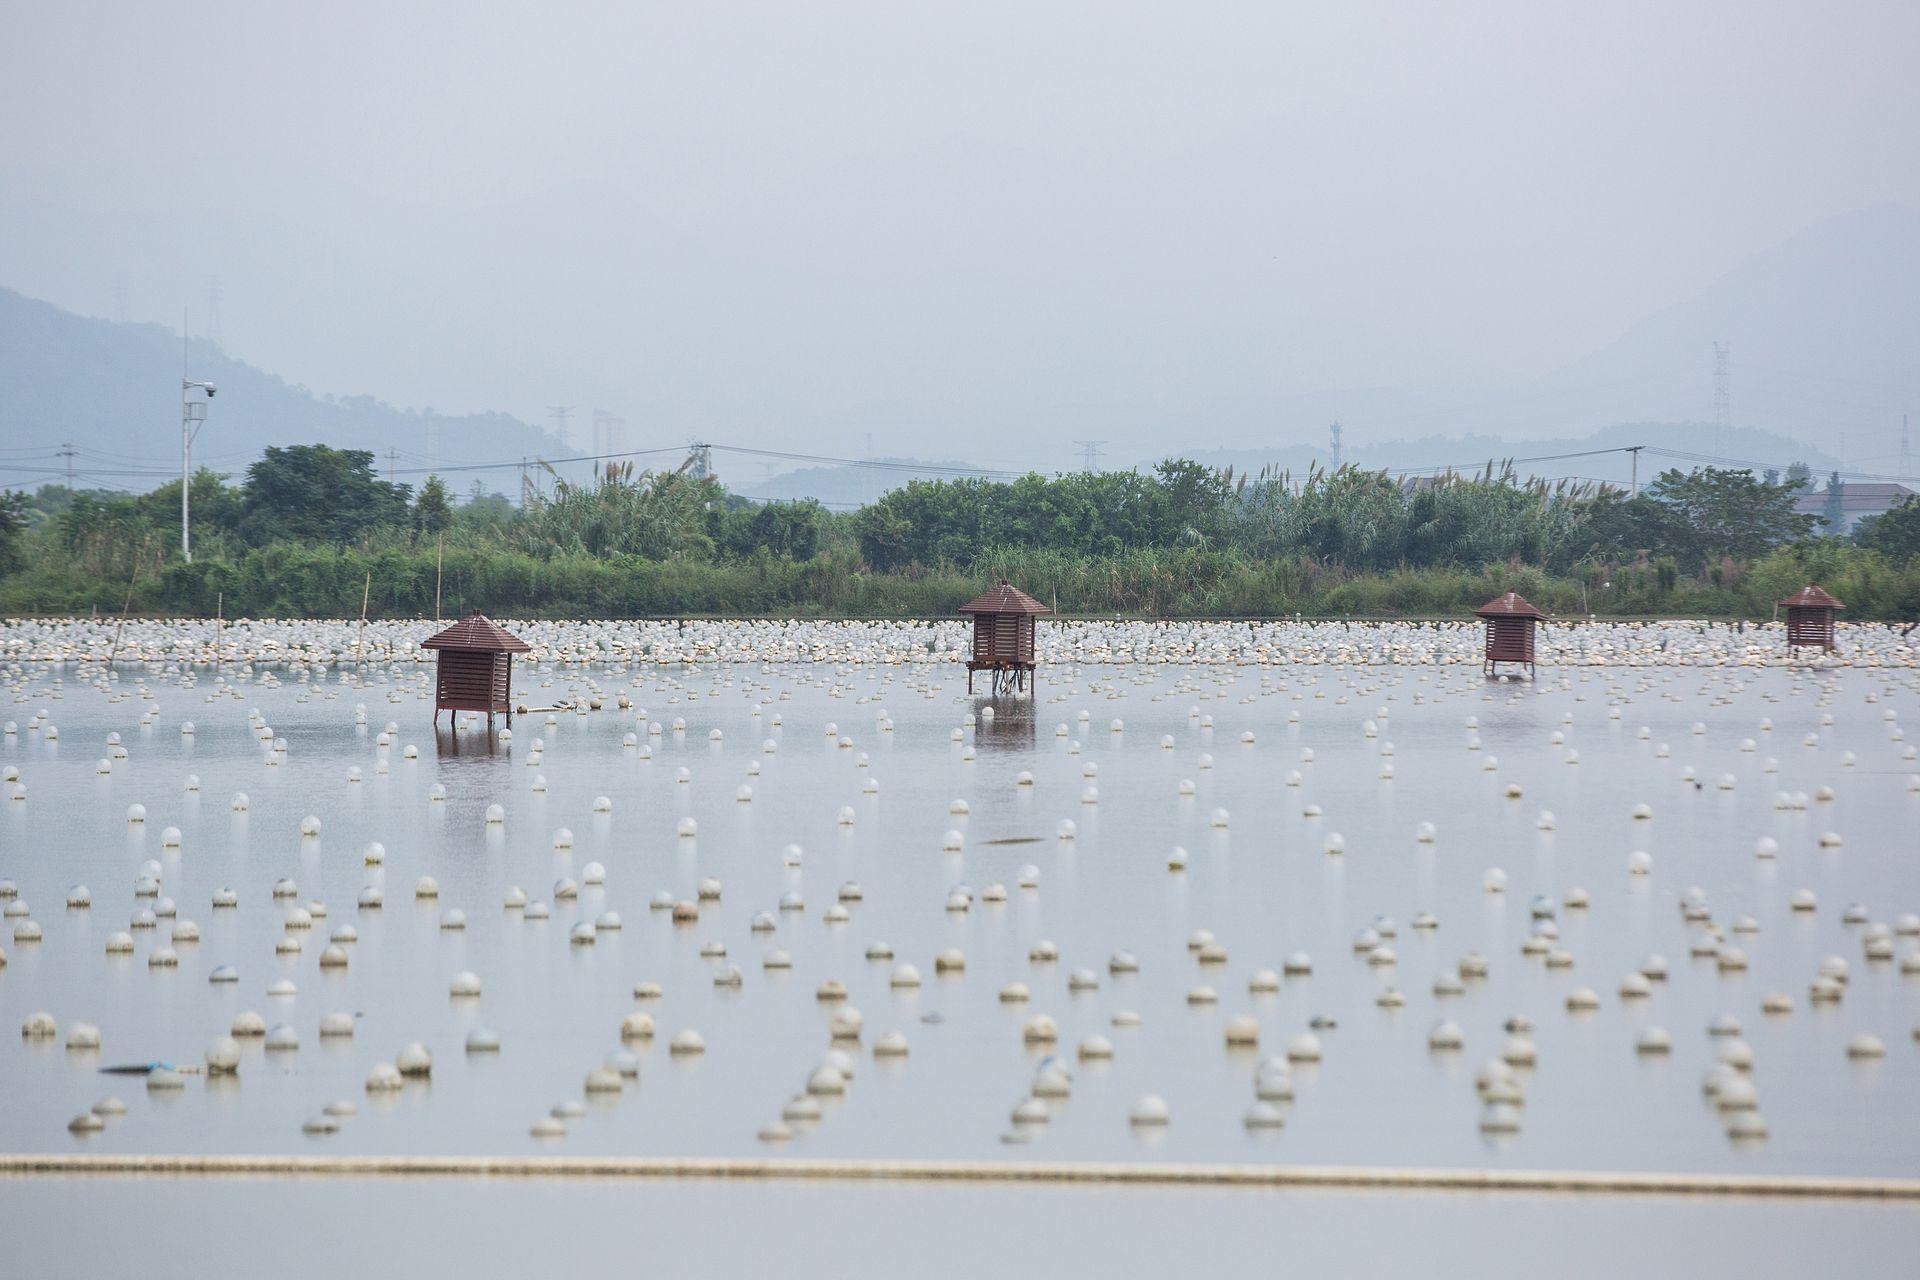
<point>112,390</point>
<point>1823,336</point>
<point>1823,332</point>
<point>846,486</point>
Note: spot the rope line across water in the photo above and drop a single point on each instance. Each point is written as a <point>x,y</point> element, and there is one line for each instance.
<point>1234,1175</point>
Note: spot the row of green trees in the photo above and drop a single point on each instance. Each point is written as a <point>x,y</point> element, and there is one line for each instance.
<point>306,525</point>
<point>1362,520</point>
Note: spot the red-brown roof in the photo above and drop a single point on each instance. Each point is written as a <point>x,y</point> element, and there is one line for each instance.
<point>1811,597</point>
<point>1004,598</point>
<point>477,631</point>
<point>1510,605</point>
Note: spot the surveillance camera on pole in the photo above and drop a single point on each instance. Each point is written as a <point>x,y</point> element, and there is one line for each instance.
<point>192,412</point>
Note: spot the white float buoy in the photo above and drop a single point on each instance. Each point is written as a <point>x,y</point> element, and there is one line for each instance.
<point>1150,1110</point>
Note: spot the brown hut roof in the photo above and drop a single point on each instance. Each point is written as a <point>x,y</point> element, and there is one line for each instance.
<point>477,631</point>
<point>1510,605</point>
<point>1004,598</point>
<point>1811,597</point>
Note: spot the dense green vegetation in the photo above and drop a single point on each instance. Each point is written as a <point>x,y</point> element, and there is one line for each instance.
<point>308,526</point>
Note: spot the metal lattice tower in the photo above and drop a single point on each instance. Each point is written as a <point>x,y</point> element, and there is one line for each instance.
<point>560,413</point>
<point>1090,451</point>
<point>1333,452</point>
<point>1722,398</point>
<point>609,434</point>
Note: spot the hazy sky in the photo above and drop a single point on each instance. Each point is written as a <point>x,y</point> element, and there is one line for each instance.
<point>797,223</point>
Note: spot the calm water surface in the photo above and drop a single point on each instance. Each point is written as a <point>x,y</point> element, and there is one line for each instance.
<point>537,1227</point>
<point>1262,885</point>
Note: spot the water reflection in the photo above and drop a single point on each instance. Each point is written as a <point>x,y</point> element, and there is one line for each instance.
<point>448,742</point>
<point>1003,724</point>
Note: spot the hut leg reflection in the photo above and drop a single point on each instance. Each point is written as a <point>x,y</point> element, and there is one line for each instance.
<point>1004,726</point>
<point>448,743</point>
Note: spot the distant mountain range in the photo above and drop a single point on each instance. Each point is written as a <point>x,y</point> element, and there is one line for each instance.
<point>847,486</point>
<point>109,390</point>
<point>1822,341</point>
<point>1822,335</point>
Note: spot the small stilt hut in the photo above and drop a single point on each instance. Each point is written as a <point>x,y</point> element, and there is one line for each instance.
<point>1810,618</point>
<point>1003,625</point>
<point>1510,626</point>
<point>474,667</point>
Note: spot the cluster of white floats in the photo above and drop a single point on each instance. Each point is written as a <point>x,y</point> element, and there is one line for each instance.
<point>164,652</point>
<point>324,644</point>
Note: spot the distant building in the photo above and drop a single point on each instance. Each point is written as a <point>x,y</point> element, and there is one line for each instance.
<point>1840,508</point>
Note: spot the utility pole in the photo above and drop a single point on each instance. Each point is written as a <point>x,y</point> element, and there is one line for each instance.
<point>186,441</point>
<point>526,486</point>
<point>1635,449</point>
<point>66,451</point>
<point>559,413</point>
<point>192,412</point>
<point>393,465</point>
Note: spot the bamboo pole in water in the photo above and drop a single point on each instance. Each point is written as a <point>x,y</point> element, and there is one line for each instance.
<point>360,644</point>
<point>125,605</point>
<point>439,560</point>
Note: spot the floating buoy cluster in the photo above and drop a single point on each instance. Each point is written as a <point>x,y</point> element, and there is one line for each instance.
<point>1440,883</point>
<point>299,646</point>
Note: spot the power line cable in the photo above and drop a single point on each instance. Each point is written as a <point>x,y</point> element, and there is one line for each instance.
<point>878,464</point>
<point>516,463</point>
<point>1748,464</point>
<point>1475,466</point>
